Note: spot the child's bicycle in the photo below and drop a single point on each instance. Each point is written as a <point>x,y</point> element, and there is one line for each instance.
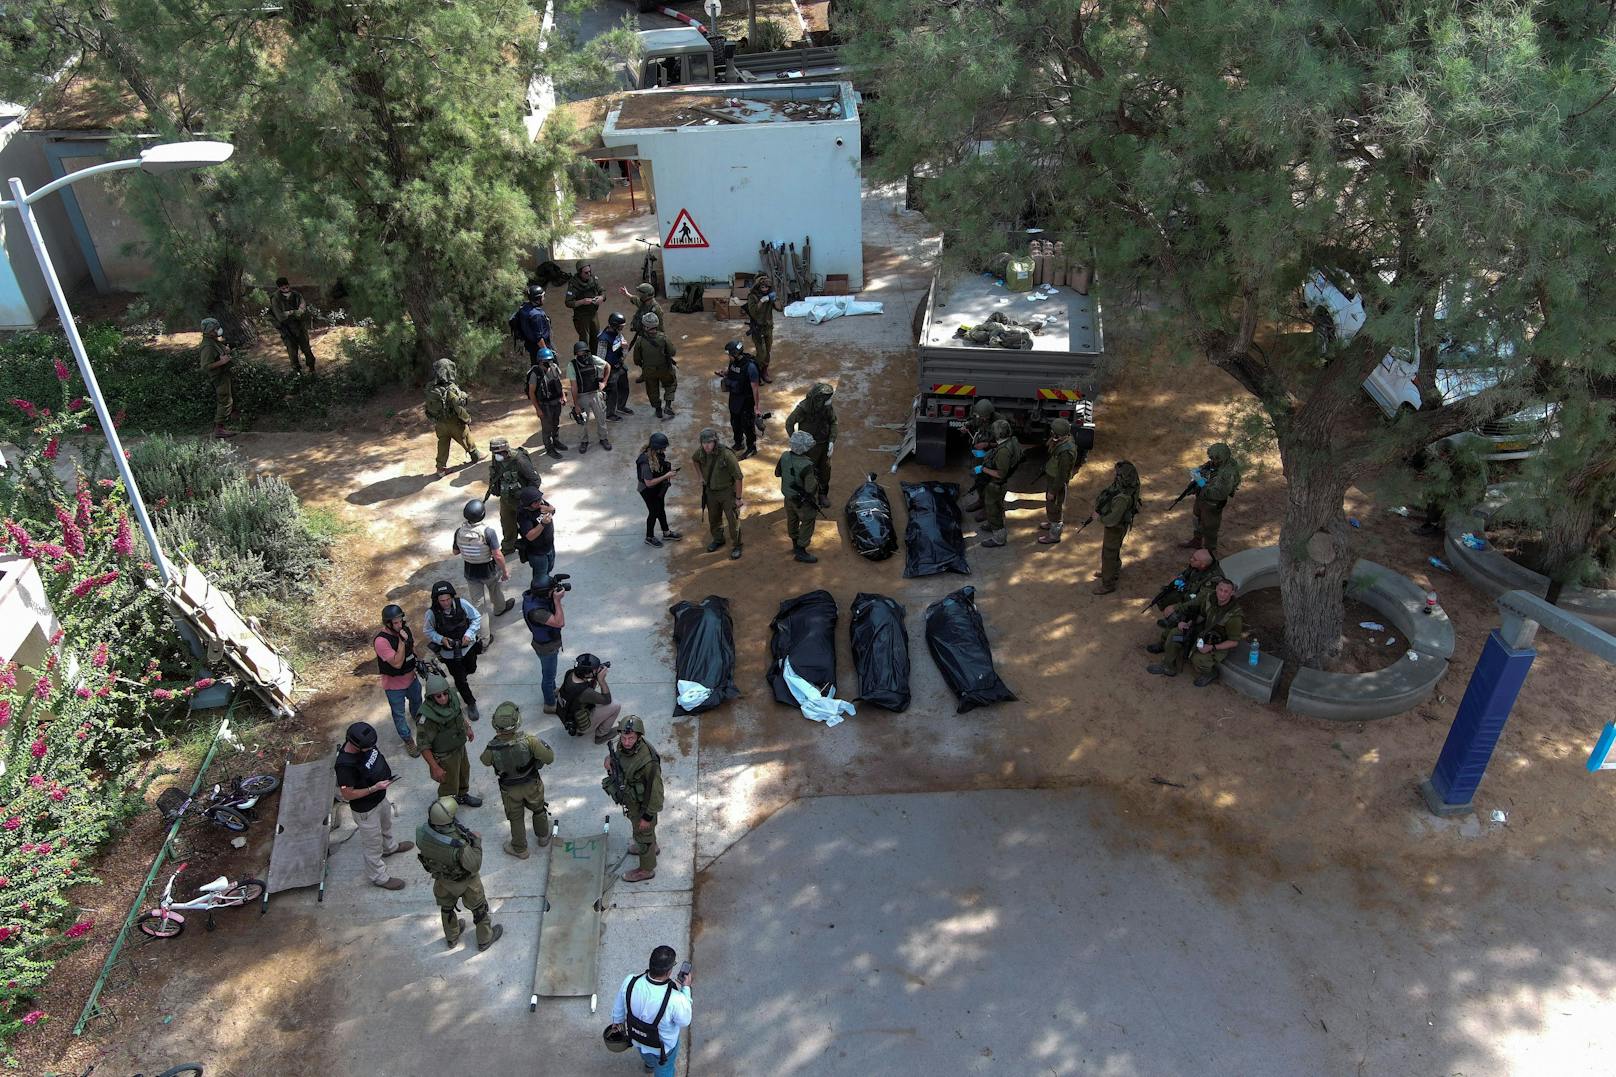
<point>184,1069</point>
<point>166,921</point>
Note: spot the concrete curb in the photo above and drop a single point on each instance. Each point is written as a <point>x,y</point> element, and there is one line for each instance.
<point>1493,573</point>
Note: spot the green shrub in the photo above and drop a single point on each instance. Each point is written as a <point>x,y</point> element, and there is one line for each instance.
<point>771,37</point>
<point>176,469</point>
<point>248,536</point>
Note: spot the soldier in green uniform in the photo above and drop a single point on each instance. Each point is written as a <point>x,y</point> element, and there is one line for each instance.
<point>584,297</point>
<point>446,407</point>
<point>1191,580</point>
<point>443,735</point>
<point>517,759</point>
<point>634,781</point>
<point>508,473</point>
<point>720,491</point>
<point>760,306</point>
<point>799,485</point>
<point>815,414</point>
<point>1000,463</point>
<point>1116,507</point>
<point>1064,460</point>
<point>653,354</point>
<point>1217,480</point>
<point>216,364</point>
<point>452,854</point>
<point>644,299</point>
<point>291,317</point>
<point>978,427</point>
<point>1207,634</point>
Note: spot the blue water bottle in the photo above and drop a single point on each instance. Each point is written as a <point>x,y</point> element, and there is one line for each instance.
<point>1251,657</point>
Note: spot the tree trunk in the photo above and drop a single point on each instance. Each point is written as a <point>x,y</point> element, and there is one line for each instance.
<point>1315,549</point>
<point>420,301</point>
<point>751,24</point>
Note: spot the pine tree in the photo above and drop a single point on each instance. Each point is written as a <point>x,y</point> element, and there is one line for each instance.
<point>1453,161</point>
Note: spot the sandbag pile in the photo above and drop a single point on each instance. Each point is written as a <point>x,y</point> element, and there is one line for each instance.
<point>880,651</point>
<point>704,655</point>
<point>959,645</point>
<point>869,521</point>
<point>933,537</point>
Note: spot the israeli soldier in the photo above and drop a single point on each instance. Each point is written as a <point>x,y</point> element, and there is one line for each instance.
<point>216,364</point>
<point>644,299</point>
<point>760,306</point>
<point>999,464</point>
<point>799,485</point>
<point>1207,634</point>
<point>1216,482</point>
<point>634,781</point>
<point>517,759</point>
<point>654,355</point>
<point>584,297</point>
<point>444,733</point>
<point>815,414</point>
<point>978,427</point>
<point>446,407</point>
<point>291,317</point>
<point>1116,506</point>
<point>452,854</point>
<point>1064,460</point>
<point>508,472</point>
<point>721,491</point>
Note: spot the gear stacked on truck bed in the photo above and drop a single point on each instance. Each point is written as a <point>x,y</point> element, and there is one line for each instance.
<point>1001,332</point>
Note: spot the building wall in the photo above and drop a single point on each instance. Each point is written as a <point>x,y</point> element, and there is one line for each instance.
<point>24,299</point>
<point>112,228</point>
<point>746,183</point>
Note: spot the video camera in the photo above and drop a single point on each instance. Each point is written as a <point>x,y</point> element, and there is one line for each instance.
<point>558,582</point>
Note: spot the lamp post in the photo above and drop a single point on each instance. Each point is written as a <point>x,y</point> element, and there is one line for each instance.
<point>168,157</point>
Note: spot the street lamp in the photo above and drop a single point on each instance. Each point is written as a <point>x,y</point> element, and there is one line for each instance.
<point>157,160</point>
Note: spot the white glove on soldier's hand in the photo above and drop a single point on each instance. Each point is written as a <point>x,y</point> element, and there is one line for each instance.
<point>830,449</point>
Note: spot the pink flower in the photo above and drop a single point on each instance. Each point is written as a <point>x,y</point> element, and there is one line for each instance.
<point>8,675</point>
<point>72,537</point>
<point>62,373</point>
<point>12,823</point>
<point>19,539</point>
<point>106,484</point>
<point>123,543</point>
<point>42,688</point>
<point>24,406</point>
<point>79,930</point>
<point>5,712</point>
<point>205,682</point>
<point>33,1017</point>
<point>52,449</point>
<point>99,659</point>
<point>83,692</point>
<point>86,505</point>
<point>37,781</point>
<point>27,906</point>
<point>37,750</point>
<point>56,636</point>
<point>162,693</point>
<point>5,881</point>
<point>45,848</point>
<point>90,583</point>
<point>6,933</point>
<point>58,794</point>
<point>75,404</point>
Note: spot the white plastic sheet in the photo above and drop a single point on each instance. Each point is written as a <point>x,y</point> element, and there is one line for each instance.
<point>815,707</point>
<point>822,308</point>
<point>693,695</point>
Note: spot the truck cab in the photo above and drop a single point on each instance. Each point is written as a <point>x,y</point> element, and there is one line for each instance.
<point>677,57</point>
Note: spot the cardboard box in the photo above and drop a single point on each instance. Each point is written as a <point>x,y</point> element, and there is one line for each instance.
<point>711,297</point>
<point>729,309</point>
<point>741,283</point>
<point>836,284</point>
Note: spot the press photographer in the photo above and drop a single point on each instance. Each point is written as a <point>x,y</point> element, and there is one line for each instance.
<point>586,700</point>
<point>545,617</point>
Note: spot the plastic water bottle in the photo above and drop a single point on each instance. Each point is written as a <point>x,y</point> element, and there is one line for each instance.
<point>1430,603</point>
<point>1353,520</point>
<point>1251,658</point>
<point>1437,562</point>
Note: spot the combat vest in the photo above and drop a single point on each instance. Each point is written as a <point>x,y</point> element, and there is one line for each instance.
<point>472,543</point>
<point>507,474</point>
<point>547,386</point>
<point>440,403</point>
<point>407,638</point>
<point>645,1032</point>
<point>542,633</point>
<point>446,856</point>
<point>571,712</point>
<point>587,376</point>
<point>736,383</point>
<point>513,761</point>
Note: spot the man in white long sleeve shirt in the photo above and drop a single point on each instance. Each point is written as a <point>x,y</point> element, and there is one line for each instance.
<point>654,1008</point>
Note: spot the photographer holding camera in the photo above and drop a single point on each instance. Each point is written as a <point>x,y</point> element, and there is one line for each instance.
<point>545,617</point>
<point>586,700</point>
<point>535,530</point>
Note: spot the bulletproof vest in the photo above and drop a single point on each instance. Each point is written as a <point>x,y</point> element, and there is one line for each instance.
<point>585,374</point>
<point>513,761</point>
<point>407,662</point>
<point>451,623</point>
<point>472,542</point>
<point>569,710</point>
<point>507,475</point>
<point>547,383</point>
<point>610,346</point>
<point>792,469</point>
<point>736,383</point>
<point>439,852</point>
<point>645,1032</point>
<point>652,351</point>
<point>536,610</point>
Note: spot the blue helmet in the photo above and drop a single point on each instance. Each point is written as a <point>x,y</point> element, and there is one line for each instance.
<point>545,355</point>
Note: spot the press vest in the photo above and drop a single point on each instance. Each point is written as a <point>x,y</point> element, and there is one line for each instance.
<point>407,663</point>
<point>472,542</point>
<point>542,633</point>
<point>645,1032</point>
<point>569,710</point>
<point>452,623</point>
<point>587,376</point>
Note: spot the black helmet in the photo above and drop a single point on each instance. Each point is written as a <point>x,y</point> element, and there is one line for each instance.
<point>362,735</point>
<point>659,441</point>
<point>542,583</point>
<point>733,347</point>
<point>390,613</point>
<point>580,348</point>
<point>586,663</point>
<point>535,291</point>
<point>529,495</point>
<point>616,320</point>
<point>474,511</point>
<point>442,587</point>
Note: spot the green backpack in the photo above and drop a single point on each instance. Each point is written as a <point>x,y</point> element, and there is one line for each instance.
<point>439,404</point>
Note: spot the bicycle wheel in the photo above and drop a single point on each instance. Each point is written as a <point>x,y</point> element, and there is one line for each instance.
<point>227,817</point>
<point>245,892</point>
<point>185,1069</point>
<point>260,785</point>
<point>159,926</point>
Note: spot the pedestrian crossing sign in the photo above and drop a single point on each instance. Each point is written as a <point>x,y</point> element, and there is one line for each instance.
<point>684,233</point>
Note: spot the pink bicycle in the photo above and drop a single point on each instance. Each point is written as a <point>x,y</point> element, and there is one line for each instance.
<point>166,921</point>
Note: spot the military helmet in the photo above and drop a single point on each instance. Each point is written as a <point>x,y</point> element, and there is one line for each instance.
<point>474,511</point>
<point>580,348</point>
<point>734,348</point>
<point>507,716</point>
<point>390,613</point>
<point>1002,429</point>
<point>708,433</point>
<point>616,1038</point>
<point>631,723</point>
<point>801,442</point>
<point>545,355</point>
<point>659,441</point>
<point>500,444</point>
<point>362,735</point>
<point>982,408</point>
<point>210,325</point>
<point>436,683</point>
<point>822,388</point>
<point>616,319</point>
<point>580,265</point>
<point>644,291</point>
<point>535,291</point>
<point>542,583</point>
<point>650,321</point>
<point>587,663</point>
<point>1060,427</point>
<point>442,812</point>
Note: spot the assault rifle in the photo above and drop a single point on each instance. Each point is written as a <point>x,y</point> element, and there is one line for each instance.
<point>1164,594</point>
<point>804,498</point>
<point>1203,475</point>
<point>616,777</point>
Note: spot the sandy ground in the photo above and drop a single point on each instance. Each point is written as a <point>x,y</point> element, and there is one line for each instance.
<point>1264,795</point>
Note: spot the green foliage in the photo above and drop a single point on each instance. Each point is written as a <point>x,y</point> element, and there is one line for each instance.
<point>249,537</point>
<point>771,36</point>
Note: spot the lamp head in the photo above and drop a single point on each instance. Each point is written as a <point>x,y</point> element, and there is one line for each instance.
<point>178,156</point>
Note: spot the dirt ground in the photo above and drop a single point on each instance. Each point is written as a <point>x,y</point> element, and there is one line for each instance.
<point>1257,793</point>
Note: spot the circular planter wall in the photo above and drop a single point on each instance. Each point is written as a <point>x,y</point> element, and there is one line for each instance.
<point>1493,573</point>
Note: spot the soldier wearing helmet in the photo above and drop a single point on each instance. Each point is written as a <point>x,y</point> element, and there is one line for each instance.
<point>722,495</point>
<point>446,407</point>
<point>546,390</point>
<point>654,355</point>
<point>587,375</point>
<point>362,780</point>
<point>445,732</point>
<point>816,414</point>
<point>452,854</point>
<point>741,378</point>
<point>216,364</point>
<point>644,299</point>
<point>1064,460</point>
<point>634,781</point>
<point>584,297</point>
<point>1116,507</point>
<point>799,486</point>
<point>530,326</point>
<point>584,700</point>
<point>978,428</point>
<point>1000,462</point>
<point>398,665</point>
<point>508,472</point>
<point>761,303</point>
<point>612,346</point>
<point>517,758</point>
<point>483,565</point>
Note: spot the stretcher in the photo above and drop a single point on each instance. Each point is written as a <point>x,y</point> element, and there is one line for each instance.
<point>569,925</point>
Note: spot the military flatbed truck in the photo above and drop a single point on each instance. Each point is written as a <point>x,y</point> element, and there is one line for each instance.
<point>684,56</point>
<point>1056,379</point>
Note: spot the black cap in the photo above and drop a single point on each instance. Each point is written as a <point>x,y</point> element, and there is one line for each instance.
<point>281,282</point>
<point>362,735</point>
<point>659,441</point>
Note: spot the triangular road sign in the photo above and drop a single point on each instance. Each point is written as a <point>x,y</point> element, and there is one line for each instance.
<point>684,233</point>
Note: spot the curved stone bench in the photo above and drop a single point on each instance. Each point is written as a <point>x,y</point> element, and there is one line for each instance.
<point>1493,573</point>
<point>1352,697</point>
